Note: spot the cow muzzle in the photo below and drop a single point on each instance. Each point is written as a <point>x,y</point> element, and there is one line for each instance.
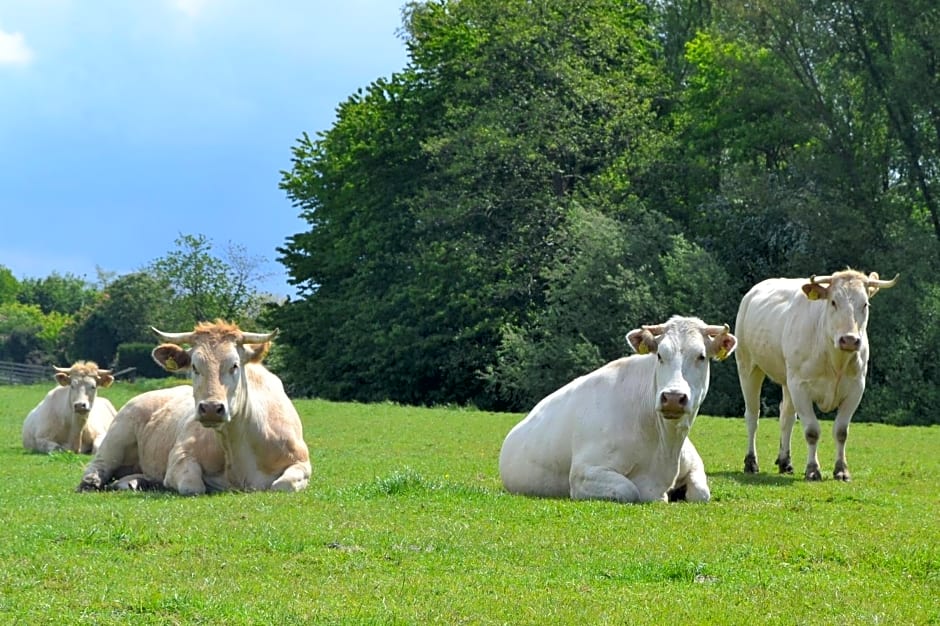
<point>673,404</point>
<point>850,342</point>
<point>81,408</point>
<point>212,414</point>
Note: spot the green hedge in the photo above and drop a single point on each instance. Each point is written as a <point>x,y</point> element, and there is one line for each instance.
<point>138,355</point>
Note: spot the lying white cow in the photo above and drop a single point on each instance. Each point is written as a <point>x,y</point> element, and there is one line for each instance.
<point>621,432</point>
<point>809,336</point>
<point>234,429</point>
<point>71,416</point>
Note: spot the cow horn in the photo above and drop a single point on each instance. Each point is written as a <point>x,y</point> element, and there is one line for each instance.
<point>105,372</point>
<point>177,338</point>
<point>259,337</point>
<point>883,284</point>
<point>819,280</point>
<point>711,331</point>
<point>61,370</point>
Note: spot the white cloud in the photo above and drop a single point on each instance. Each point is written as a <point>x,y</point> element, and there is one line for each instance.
<point>13,49</point>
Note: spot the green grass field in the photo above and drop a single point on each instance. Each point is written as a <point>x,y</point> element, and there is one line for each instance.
<point>405,522</point>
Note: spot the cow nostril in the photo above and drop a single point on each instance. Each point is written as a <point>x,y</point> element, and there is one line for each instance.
<point>683,400</point>
<point>214,409</point>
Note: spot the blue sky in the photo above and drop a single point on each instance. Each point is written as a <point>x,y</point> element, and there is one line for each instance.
<point>125,123</point>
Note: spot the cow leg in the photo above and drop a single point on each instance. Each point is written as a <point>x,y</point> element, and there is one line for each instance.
<point>840,431</point>
<point>787,419</point>
<point>294,478</point>
<point>691,483</point>
<point>589,482</point>
<point>184,474</point>
<point>47,446</point>
<point>118,445</point>
<point>751,380</point>
<point>806,411</point>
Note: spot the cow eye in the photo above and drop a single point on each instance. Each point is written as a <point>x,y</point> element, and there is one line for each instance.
<point>659,357</point>
<point>195,370</point>
<point>701,357</point>
<point>833,303</point>
<point>234,367</point>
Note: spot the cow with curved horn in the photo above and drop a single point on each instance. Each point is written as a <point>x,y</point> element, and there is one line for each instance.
<point>810,337</point>
<point>71,416</point>
<point>621,432</point>
<point>234,429</point>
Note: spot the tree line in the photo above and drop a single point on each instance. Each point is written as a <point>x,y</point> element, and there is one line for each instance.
<point>62,318</point>
<point>543,176</point>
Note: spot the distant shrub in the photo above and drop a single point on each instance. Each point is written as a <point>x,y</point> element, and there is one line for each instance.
<point>138,355</point>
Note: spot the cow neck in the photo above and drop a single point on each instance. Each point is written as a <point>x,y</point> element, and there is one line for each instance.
<point>76,426</point>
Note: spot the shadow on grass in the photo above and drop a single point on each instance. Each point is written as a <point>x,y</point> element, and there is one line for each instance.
<point>768,479</point>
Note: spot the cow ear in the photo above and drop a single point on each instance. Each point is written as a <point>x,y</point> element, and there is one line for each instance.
<point>105,380</point>
<point>62,378</point>
<point>815,291</point>
<point>642,341</point>
<point>723,345</point>
<point>255,352</point>
<point>171,357</point>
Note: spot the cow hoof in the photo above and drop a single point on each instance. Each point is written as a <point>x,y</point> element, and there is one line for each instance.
<point>812,473</point>
<point>844,475</point>
<point>750,464</point>
<point>784,466</point>
<point>88,484</point>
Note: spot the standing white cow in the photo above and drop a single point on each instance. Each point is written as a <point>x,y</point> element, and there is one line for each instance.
<point>235,428</point>
<point>621,432</point>
<point>809,336</point>
<point>71,416</point>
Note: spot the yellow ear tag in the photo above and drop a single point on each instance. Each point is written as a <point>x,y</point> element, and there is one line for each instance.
<point>170,364</point>
<point>642,348</point>
<point>813,294</point>
<point>722,354</point>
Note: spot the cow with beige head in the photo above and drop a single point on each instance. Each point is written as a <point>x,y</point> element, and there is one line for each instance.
<point>71,416</point>
<point>234,429</point>
<point>621,432</point>
<point>808,335</point>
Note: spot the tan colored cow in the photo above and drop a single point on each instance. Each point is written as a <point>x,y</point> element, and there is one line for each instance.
<point>808,335</point>
<point>234,429</point>
<point>71,416</point>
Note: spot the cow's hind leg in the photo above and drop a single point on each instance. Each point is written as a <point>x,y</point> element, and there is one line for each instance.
<point>600,483</point>
<point>751,379</point>
<point>787,419</point>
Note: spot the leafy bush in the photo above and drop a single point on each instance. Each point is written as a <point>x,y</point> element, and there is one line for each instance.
<point>138,355</point>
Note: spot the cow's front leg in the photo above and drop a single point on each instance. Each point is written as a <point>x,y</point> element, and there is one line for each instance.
<point>804,408</point>
<point>840,431</point>
<point>691,484</point>
<point>294,478</point>
<point>117,449</point>
<point>183,473</point>
<point>590,482</point>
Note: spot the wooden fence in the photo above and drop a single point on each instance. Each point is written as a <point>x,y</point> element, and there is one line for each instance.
<point>22,374</point>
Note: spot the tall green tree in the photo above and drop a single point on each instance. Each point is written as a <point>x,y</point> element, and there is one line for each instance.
<point>434,198</point>
<point>60,293</point>
<point>204,284</point>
